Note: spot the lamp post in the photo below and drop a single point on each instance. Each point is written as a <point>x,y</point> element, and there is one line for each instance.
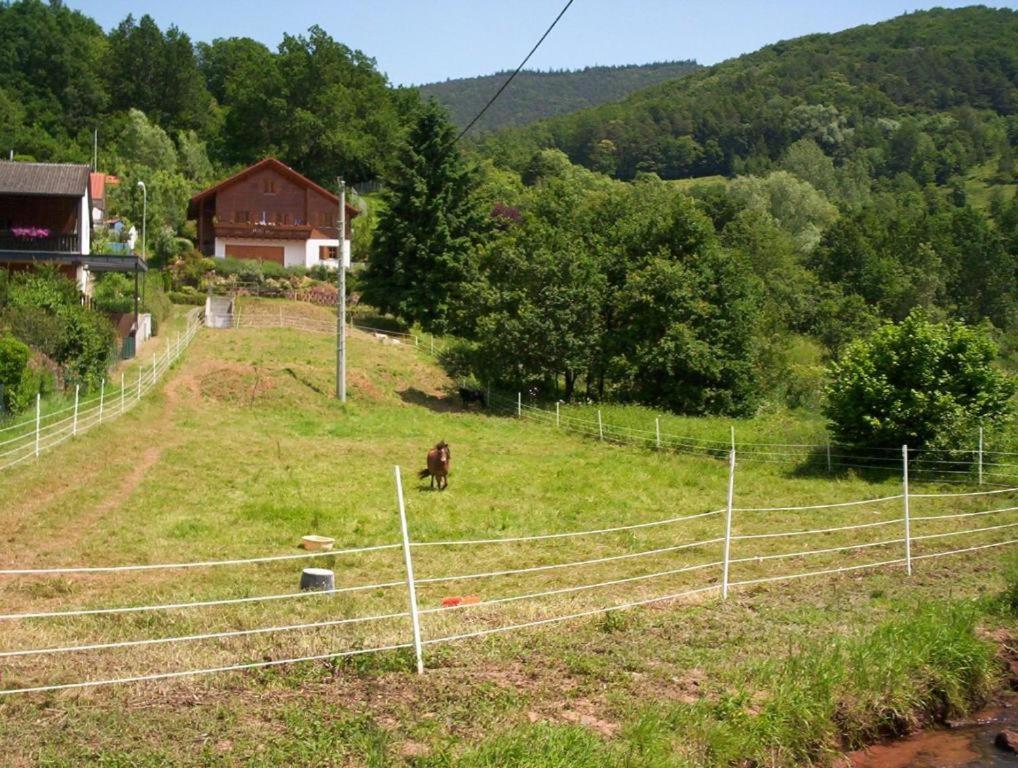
<point>144,216</point>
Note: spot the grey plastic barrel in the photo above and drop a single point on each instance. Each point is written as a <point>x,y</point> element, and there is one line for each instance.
<point>317,579</point>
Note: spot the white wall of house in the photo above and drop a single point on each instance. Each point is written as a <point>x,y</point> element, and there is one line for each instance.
<point>85,226</point>
<point>294,251</point>
<point>312,255</point>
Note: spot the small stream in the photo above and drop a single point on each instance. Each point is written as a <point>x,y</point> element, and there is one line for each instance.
<point>969,745</point>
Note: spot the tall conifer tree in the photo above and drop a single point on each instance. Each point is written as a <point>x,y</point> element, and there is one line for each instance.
<point>423,253</point>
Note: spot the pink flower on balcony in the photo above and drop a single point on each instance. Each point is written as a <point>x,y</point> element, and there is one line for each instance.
<point>30,233</point>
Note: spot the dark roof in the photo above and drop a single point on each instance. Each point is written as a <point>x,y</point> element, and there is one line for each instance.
<point>268,162</point>
<point>60,179</point>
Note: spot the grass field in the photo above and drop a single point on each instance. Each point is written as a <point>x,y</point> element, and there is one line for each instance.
<point>242,450</point>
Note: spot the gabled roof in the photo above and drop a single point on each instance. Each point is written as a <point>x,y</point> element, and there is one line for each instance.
<point>267,163</point>
<point>55,179</point>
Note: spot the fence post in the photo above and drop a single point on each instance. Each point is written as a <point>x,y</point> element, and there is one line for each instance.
<point>38,421</point>
<point>519,405</point>
<point>74,421</point>
<point>153,370</point>
<point>558,422</point>
<point>980,454</point>
<point>733,438</point>
<point>140,371</point>
<point>123,392</point>
<point>600,425</point>
<point>657,432</point>
<point>411,589</point>
<point>828,455</point>
<point>728,523</point>
<point>908,525</point>
<point>102,398</point>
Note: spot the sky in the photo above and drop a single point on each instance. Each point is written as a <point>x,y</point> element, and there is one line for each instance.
<point>421,41</point>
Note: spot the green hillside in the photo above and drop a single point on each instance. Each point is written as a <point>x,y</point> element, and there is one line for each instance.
<point>536,95</point>
<point>928,93</point>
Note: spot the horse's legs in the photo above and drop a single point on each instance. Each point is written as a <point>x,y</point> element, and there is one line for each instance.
<point>432,482</point>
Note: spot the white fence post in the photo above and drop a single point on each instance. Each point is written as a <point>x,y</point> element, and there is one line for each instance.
<point>519,405</point>
<point>153,370</point>
<point>733,438</point>
<point>74,421</point>
<point>558,422</point>
<point>123,393</point>
<point>908,524</point>
<point>102,398</point>
<point>657,432</point>
<point>38,421</point>
<point>600,425</point>
<point>411,589</point>
<point>140,372</point>
<point>980,454</point>
<point>728,523</point>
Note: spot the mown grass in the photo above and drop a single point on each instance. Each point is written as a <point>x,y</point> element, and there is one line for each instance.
<point>248,452</point>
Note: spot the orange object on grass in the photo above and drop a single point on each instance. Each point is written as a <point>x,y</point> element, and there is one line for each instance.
<point>451,602</point>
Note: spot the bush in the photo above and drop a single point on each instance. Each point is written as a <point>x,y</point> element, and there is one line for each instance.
<point>45,313</point>
<point>918,383</point>
<point>13,368</point>
<point>187,295</point>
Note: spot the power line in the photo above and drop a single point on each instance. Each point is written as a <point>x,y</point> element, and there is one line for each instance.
<point>513,75</point>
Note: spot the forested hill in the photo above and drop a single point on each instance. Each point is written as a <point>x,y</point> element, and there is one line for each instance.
<point>938,74</point>
<point>535,95</point>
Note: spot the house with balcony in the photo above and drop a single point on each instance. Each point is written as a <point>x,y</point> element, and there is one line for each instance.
<point>46,218</point>
<point>270,212</point>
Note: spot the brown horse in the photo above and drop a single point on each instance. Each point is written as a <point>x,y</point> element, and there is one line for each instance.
<point>438,466</point>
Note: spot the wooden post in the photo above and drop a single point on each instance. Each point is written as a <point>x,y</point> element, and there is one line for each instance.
<point>728,523</point>
<point>341,298</point>
<point>828,455</point>
<point>908,525</point>
<point>980,454</point>
<point>38,421</point>
<point>408,560</point>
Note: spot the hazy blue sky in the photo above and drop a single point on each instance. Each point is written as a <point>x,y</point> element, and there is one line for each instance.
<point>419,41</point>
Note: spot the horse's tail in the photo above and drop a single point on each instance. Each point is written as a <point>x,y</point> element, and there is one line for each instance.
<point>424,473</point>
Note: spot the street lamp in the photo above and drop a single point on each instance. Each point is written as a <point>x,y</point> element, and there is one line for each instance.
<point>144,216</point>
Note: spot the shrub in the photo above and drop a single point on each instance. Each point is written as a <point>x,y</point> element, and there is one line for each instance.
<point>918,383</point>
<point>44,312</point>
<point>13,368</point>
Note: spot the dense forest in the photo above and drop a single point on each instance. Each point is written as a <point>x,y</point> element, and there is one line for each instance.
<point>929,93</point>
<point>319,106</point>
<point>535,95</point>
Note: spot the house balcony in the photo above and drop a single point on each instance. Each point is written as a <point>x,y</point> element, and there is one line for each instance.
<point>54,243</point>
<point>265,231</point>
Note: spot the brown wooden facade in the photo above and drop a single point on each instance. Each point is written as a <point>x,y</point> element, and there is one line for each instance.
<point>267,201</point>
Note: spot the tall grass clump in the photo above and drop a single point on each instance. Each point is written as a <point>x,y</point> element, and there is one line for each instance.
<point>824,698</point>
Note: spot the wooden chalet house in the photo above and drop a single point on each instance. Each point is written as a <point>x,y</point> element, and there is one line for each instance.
<point>46,218</point>
<point>269,212</point>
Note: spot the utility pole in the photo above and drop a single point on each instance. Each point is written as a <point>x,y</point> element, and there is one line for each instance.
<point>341,298</point>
